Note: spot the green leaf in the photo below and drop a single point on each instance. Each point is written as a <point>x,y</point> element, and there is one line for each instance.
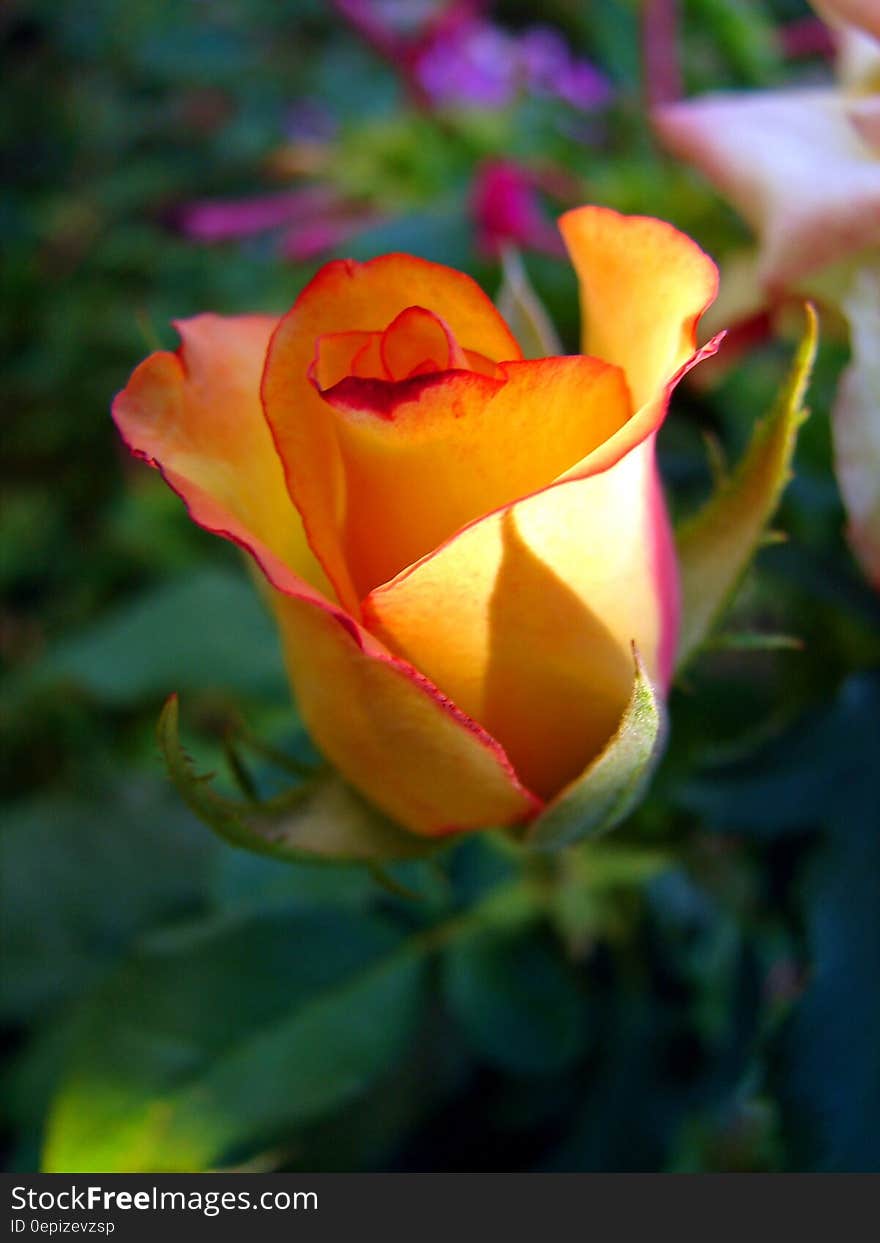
<point>80,879</point>
<point>322,1057</point>
<point>716,545</point>
<point>811,772</point>
<point>321,819</point>
<point>825,1065</point>
<point>523,310</point>
<point>614,781</point>
<point>827,1060</point>
<point>516,998</point>
<point>205,630</point>
<point>214,1042</point>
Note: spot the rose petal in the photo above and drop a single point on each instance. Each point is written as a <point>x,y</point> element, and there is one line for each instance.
<point>407,747</point>
<point>355,297</point>
<point>197,416</point>
<point>340,354</point>
<point>416,335</point>
<point>644,286</point>
<point>426,457</point>
<point>526,618</point>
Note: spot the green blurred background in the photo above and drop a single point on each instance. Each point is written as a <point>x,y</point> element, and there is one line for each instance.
<point>704,991</point>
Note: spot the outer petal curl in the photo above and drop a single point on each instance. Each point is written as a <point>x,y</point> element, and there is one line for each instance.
<point>643,287</point>
<point>196,415</point>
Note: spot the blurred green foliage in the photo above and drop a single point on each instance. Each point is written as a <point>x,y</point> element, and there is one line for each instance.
<point>698,992</point>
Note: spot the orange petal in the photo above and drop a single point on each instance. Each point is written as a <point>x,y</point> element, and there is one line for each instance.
<point>355,297</point>
<point>197,416</point>
<point>339,354</point>
<point>644,286</point>
<point>391,734</point>
<point>526,618</point>
<point>425,457</point>
<point>415,337</point>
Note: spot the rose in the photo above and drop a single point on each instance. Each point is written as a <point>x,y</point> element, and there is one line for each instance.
<point>462,545</point>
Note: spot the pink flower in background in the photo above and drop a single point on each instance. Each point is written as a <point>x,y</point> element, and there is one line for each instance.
<point>807,36</point>
<point>222,220</point>
<point>310,220</point>
<point>856,421</point>
<point>507,211</point>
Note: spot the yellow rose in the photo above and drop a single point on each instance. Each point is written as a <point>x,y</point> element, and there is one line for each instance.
<point>463,545</point>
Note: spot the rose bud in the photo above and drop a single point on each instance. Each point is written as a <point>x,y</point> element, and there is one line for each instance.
<point>462,545</point>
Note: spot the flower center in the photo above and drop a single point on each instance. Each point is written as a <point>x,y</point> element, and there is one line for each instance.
<point>417,343</point>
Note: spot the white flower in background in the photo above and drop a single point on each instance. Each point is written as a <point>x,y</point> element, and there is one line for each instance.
<point>802,166</point>
<point>856,421</point>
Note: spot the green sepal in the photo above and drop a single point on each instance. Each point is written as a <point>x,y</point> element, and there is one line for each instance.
<point>321,819</point>
<point>716,545</point>
<point>615,781</point>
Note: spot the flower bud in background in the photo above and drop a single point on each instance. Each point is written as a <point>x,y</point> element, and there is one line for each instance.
<point>507,211</point>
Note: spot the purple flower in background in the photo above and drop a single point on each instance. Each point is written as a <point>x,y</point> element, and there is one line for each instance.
<point>550,69</point>
<point>457,57</point>
<point>449,55</point>
<point>476,63</point>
